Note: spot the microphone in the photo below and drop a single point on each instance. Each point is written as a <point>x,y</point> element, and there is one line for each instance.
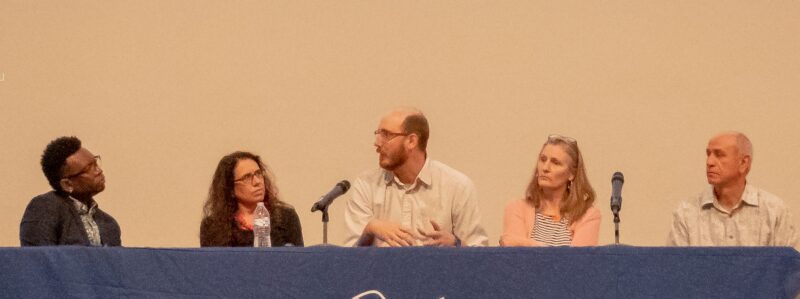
<point>338,190</point>
<point>616,192</point>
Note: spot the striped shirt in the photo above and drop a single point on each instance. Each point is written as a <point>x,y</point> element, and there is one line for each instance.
<point>549,232</point>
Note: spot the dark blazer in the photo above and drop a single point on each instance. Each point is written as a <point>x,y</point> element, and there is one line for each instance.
<point>285,230</point>
<point>51,219</point>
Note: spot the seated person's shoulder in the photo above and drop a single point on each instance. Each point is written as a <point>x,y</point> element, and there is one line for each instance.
<point>49,202</point>
<point>285,213</point>
<point>772,201</point>
<point>692,204</point>
<point>107,218</point>
<point>285,208</point>
<point>449,175</point>
<point>592,213</point>
<point>369,179</point>
<point>43,215</point>
<point>518,204</point>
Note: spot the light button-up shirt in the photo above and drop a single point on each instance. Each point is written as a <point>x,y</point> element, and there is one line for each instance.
<point>760,219</point>
<point>439,193</point>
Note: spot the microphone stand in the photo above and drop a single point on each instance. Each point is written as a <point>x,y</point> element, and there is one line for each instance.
<point>324,202</point>
<point>616,201</point>
<point>325,219</point>
<point>325,226</point>
<point>616,227</point>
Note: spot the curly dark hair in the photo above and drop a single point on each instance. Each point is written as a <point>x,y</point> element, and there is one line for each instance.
<point>219,210</point>
<point>54,159</point>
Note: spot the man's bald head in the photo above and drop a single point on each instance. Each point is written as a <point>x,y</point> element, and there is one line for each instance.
<point>743,144</point>
<point>728,159</point>
<point>413,121</point>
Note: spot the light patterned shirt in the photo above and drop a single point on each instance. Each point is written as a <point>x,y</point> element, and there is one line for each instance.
<point>439,193</point>
<point>760,219</point>
<point>87,218</point>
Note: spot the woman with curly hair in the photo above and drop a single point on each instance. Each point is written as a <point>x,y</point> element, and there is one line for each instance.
<point>240,182</point>
<point>557,209</point>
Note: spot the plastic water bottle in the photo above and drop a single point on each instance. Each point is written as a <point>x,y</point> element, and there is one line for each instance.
<point>261,227</point>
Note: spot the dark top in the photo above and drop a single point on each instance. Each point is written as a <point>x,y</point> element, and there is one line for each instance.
<point>51,219</point>
<point>285,229</point>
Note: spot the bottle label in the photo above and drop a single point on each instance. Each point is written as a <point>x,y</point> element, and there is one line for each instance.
<point>261,222</point>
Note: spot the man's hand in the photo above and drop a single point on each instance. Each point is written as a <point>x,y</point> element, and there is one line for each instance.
<point>438,237</point>
<point>390,233</point>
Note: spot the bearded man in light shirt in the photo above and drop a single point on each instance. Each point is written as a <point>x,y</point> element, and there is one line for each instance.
<point>731,211</point>
<point>411,200</point>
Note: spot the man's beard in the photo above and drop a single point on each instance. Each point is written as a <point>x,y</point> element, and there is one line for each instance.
<point>395,160</point>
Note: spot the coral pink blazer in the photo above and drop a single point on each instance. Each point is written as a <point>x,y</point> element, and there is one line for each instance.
<point>519,218</point>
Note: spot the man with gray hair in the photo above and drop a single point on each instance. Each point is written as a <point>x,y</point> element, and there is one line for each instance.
<point>732,212</point>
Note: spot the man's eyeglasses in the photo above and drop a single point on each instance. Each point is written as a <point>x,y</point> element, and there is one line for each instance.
<point>385,135</point>
<point>248,178</point>
<point>566,139</point>
<point>93,167</point>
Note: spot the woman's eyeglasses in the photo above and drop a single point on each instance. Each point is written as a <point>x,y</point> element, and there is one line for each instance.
<point>250,177</point>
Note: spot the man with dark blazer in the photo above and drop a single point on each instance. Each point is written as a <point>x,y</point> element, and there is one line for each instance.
<point>68,215</point>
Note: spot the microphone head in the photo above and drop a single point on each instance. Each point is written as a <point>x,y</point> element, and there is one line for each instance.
<point>616,192</point>
<point>345,185</point>
<point>618,177</point>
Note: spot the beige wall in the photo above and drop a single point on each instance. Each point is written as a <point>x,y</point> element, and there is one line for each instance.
<point>163,89</point>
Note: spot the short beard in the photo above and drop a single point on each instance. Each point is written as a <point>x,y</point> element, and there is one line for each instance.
<point>395,160</point>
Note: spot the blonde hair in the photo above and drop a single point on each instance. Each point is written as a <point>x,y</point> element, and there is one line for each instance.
<point>579,194</point>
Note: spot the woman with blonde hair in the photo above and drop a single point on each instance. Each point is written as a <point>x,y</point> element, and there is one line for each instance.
<point>557,209</point>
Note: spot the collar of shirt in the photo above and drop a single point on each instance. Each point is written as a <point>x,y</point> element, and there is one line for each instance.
<point>82,208</point>
<point>749,197</point>
<point>424,176</point>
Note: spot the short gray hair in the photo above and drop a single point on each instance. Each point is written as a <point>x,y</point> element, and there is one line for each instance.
<point>744,144</point>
